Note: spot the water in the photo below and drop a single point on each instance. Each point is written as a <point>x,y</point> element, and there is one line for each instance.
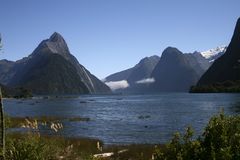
<point>127,119</point>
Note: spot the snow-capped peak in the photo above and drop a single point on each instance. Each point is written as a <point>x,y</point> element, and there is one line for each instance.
<point>210,54</point>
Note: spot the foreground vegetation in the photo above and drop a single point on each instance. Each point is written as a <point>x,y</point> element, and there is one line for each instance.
<point>32,145</point>
<point>19,92</point>
<point>218,87</point>
<point>35,147</point>
<point>220,140</point>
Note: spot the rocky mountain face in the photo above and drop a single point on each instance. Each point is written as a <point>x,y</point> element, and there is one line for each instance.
<point>199,63</point>
<point>5,67</point>
<point>143,69</point>
<point>176,72</point>
<point>140,71</point>
<point>51,69</point>
<point>122,75</point>
<point>227,67</point>
<point>132,76</point>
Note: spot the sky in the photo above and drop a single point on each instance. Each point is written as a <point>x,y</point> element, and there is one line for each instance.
<point>107,36</point>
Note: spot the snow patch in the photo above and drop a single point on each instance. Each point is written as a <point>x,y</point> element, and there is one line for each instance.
<point>213,52</point>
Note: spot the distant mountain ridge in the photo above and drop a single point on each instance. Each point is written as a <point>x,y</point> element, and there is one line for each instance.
<point>5,67</point>
<point>140,71</point>
<point>227,67</point>
<point>224,74</point>
<point>173,71</point>
<point>214,53</point>
<point>143,69</point>
<point>176,72</point>
<point>146,65</point>
<point>51,69</point>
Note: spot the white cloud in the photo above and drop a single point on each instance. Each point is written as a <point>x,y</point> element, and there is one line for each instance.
<point>146,81</point>
<point>114,85</point>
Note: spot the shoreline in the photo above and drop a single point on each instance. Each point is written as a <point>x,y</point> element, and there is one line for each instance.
<point>88,147</point>
<point>79,145</point>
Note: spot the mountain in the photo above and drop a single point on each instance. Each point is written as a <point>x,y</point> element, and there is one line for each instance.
<point>15,92</point>
<point>122,75</point>
<point>214,53</point>
<point>9,68</point>
<point>143,69</point>
<point>199,63</point>
<point>52,69</point>
<point>225,71</point>
<point>176,72</point>
<point>134,75</point>
<point>5,67</point>
<point>173,72</point>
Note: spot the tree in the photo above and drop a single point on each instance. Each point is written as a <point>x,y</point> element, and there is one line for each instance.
<point>2,124</point>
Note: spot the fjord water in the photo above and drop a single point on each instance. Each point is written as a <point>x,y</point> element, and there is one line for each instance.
<point>127,119</point>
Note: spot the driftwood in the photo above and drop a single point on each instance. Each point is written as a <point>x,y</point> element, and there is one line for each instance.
<point>108,154</point>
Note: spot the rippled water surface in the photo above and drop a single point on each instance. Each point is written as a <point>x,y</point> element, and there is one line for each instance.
<point>125,119</point>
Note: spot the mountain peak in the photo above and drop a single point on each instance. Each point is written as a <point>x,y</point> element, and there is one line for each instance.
<point>214,53</point>
<point>227,67</point>
<point>55,44</point>
<point>236,34</point>
<point>56,37</point>
<point>151,58</point>
<point>170,51</point>
<point>238,22</point>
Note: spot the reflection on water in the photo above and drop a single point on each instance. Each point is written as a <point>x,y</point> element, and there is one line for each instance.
<point>124,119</point>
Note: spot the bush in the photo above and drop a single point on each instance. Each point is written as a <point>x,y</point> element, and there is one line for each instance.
<point>226,86</point>
<point>28,148</point>
<point>220,140</point>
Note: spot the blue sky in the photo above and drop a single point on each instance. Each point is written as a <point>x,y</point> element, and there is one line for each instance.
<point>107,36</point>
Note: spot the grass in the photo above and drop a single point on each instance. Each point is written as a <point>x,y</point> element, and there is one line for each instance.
<point>15,122</point>
<point>81,148</point>
<point>57,147</point>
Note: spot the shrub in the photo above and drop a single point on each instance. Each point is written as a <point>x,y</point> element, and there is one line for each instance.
<point>220,140</point>
<point>226,86</point>
<point>28,148</point>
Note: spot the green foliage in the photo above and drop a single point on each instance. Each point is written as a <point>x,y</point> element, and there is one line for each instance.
<point>28,148</point>
<point>220,141</point>
<point>180,147</point>
<point>32,146</point>
<point>227,86</point>
<point>18,92</point>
